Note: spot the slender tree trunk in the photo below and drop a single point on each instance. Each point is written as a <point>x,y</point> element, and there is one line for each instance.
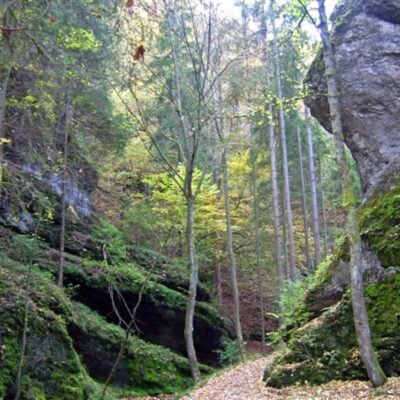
<point>272,151</point>
<point>189,151</point>
<point>368,355</point>
<point>323,208</point>
<point>286,179</point>
<point>231,254</point>
<point>258,250</point>
<point>3,97</point>
<point>218,284</point>
<point>313,186</point>
<point>285,243</point>
<point>275,205</point>
<point>18,383</point>
<point>68,119</point>
<point>304,202</point>
<point>191,299</point>
<point>374,370</point>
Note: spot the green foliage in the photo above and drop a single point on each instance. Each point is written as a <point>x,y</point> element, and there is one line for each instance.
<point>78,39</point>
<point>106,234</point>
<point>229,352</point>
<point>292,295</point>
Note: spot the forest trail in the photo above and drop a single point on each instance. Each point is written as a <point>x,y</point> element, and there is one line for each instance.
<point>244,382</point>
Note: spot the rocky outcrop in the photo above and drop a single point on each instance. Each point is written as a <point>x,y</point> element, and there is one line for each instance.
<point>76,333</point>
<point>366,41</point>
<point>321,339</point>
<point>70,347</point>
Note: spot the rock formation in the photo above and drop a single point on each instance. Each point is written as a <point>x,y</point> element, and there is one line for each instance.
<point>321,339</point>
<point>366,40</point>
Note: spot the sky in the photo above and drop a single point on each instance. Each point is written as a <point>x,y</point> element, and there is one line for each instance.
<point>228,7</point>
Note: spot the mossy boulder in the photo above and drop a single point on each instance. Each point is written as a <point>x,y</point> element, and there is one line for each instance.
<point>326,348</point>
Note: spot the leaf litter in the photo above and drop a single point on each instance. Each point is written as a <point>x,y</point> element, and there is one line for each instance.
<point>244,382</point>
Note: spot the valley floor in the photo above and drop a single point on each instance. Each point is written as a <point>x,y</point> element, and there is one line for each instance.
<point>244,382</point>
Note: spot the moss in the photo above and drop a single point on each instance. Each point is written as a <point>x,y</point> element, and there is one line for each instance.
<point>379,222</point>
<point>53,369</point>
<point>106,234</point>
<point>49,353</point>
<point>144,367</point>
<point>383,303</point>
<point>326,347</point>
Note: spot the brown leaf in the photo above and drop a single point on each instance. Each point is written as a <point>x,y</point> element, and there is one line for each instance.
<point>139,53</point>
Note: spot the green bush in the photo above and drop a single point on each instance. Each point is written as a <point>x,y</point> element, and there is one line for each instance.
<point>229,352</point>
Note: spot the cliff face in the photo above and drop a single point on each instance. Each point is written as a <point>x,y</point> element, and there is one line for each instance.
<point>366,40</point>
<point>321,340</point>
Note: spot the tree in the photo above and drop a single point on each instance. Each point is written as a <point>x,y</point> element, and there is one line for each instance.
<point>272,154</point>
<point>374,370</point>
<point>304,200</point>
<point>313,186</point>
<point>180,86</point>
<point>67,127</point>
<point>258,244</point>
<point>285,168</point>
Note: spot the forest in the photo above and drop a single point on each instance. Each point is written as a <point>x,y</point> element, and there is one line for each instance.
<point>199,199</point>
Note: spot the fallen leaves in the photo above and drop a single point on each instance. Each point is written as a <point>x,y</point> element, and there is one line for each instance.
<point>244,382</point>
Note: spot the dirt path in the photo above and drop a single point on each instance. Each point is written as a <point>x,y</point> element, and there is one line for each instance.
<point>244,382</point>
<point>239,383</point>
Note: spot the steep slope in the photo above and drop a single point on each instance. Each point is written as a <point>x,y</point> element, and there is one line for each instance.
<point>77,332</point>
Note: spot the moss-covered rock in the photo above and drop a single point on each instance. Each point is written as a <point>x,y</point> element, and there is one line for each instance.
<point>380,224</point>
<point>147,368</point>
<point>329,281</point>
<point>326,348</point>
<point>52,369</point>
<point>70,347</point>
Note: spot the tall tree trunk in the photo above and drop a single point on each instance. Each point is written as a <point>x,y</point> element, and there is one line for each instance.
<point>304,202</point>
<point>18,383</point>
<point>313,186</point>
<point>286,179</point>
<point>68,119</point>
<point>286,268</point>
<point>372,366</point>
<point>189,151</point>
<point>323,208</point>
<point>258,249</point>
<point>272,152</point>
<point>275,204</point>
<point>218,283</point>
<point>231,254</point>
<point>191,299</point>
<point>3,97</point>
<point>363,333</point>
